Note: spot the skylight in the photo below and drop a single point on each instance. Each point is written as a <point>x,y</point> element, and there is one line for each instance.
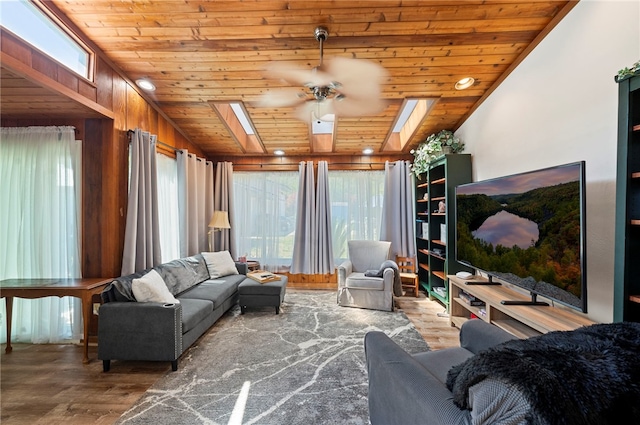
<point>235,117</point>
<point>31,24</point>
<point>408,108</point>
<point>242,117</point>
<point>324,125</point>
<point>412,113</point>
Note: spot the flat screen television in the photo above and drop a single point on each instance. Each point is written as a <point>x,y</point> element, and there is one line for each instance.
<point>528,230</point>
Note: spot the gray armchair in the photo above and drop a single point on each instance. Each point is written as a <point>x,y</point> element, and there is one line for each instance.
<point>357,290</point>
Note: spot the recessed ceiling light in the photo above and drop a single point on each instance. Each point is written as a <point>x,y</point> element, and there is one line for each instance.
<point>465,83</point>
<point>278,152</point>
<point>145,84</point>
<point>367,151</point>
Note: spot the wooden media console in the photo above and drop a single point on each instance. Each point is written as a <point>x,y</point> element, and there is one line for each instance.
<point>522,321</point>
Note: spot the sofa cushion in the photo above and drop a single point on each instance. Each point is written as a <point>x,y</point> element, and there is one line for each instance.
<point>151,288</point>
<point>360,281</point>
<point>439,362</point>
<point>193,312</point>
<point>216,291</point>
<point>183,273</point>
<point>219,264</point>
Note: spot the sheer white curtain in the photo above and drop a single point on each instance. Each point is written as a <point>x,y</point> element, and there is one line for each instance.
<point>356,207</point>
<point>195,202</point>
<point>398,219</point>
<point>142,234</point>
<point>40,235</point>
<point>168,207</point>
<point>264,218</point>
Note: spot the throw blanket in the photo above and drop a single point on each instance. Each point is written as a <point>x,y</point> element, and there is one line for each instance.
<point>587,376</point>
<point>397,283</point>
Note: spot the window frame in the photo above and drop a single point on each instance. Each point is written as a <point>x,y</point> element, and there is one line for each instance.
<point>65,30</point>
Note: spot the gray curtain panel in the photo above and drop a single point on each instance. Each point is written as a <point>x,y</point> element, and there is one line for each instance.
<point>304,248</point>
<point>195,197</point>
<point>142,231</point>
<point>398,226</point>
<point>225,239</point>
<point>313,246</point>
<point>324,263</point>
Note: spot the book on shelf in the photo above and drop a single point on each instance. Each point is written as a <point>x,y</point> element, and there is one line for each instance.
<point>440,290</point>
<point>470,299</point>
<point>263,276</point>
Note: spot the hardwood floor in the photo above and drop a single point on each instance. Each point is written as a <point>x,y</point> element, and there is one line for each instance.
<point>48,384</point>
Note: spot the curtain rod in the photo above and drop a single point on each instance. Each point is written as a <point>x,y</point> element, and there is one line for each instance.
<point>130,133</point>
<point>286,164</point>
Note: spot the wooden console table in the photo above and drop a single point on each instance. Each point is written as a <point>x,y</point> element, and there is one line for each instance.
<point>83,288</point>
<point>520,320</point>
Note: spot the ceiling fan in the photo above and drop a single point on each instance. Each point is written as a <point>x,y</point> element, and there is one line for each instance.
<point>343,87</point>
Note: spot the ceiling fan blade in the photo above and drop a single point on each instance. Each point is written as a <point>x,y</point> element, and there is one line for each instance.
<point>281,98</point>
<point>357,77</point>
<point>352,107</point>
<point>296,75</point>
<point>313,110</point>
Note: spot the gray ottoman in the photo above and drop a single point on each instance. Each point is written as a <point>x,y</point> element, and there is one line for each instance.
<point>255,294</point>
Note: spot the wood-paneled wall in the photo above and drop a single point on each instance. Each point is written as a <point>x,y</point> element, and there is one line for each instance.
<point>109,107</point>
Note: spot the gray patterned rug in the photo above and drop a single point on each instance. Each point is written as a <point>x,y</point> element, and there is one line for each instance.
<point>303,366</point>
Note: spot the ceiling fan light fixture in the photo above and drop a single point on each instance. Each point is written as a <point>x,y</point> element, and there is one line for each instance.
<point>346,87</point>
<point>465,83</point>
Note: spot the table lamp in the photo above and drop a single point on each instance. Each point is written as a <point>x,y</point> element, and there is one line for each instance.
<point>219,221</point>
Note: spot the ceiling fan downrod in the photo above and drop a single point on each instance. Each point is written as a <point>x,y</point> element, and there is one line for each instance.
<point>321,34</point>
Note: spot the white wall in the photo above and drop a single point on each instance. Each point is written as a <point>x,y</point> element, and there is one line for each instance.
<point>560,105</point>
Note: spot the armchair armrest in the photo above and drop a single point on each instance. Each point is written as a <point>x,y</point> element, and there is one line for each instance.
<point>388,276</point>
<point>139,331</point>
<point>402,391</point>
<point>344,270</point>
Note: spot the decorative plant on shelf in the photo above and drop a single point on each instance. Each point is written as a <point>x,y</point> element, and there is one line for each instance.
<point>434,147</point>
<point>625,73</point>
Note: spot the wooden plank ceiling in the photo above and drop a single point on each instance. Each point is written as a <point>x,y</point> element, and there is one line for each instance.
<point>197,52</point>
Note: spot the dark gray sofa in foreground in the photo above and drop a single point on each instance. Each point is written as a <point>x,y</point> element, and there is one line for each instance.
<point>157,331</point>
<point>590,375</point>
<point>409,389</point>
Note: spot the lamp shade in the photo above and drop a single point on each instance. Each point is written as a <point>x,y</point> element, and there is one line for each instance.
<point>220,220</point>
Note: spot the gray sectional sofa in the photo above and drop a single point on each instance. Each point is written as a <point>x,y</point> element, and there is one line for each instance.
<point>162,331</point>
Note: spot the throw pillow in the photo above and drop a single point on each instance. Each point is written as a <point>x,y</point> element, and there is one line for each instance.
<point>151,288</point>
<point>219,264</point>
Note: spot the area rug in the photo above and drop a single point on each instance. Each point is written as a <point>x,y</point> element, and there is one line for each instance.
<point>305,365</point>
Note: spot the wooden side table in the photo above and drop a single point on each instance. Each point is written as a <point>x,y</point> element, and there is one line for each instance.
<point>253,265</point>
<point>83,288</point>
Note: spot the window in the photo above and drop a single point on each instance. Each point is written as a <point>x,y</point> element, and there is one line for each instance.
<point>265,216</point>
<point>356,207</point>
<point>30,23</point>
